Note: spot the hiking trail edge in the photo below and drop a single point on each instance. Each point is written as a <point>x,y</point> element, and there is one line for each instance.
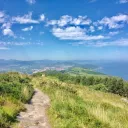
<point>35,114</point>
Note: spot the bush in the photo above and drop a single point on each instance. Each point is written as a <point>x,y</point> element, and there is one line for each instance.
<point>100,87</point>
<point>15,89</point>
<point>109,84</point>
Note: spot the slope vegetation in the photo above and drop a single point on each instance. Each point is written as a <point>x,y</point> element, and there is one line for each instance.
<point>15,90</point>
<point>77,106</point>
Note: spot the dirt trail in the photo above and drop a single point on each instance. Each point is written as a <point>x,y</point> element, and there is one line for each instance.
<point>35,116</point>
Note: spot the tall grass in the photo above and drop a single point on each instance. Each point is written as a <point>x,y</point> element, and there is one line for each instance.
<point>15,90</point>
<point>75,106</point>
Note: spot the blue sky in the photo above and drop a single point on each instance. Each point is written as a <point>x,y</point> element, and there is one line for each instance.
<point>64,30</point>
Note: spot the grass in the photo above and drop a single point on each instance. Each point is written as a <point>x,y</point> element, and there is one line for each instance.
<point>8,110</point>
<point>15,90</point>
<point>84,71</point>
<point>75,106</point>
<point>72,106</point>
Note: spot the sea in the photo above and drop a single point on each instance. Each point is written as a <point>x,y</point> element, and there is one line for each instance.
<point>114,68</point>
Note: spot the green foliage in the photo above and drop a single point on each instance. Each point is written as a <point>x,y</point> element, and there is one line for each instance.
<point>15,89</point>
<point>109,84</point>
<point>83,71</point>
<point>100,87</point>
<point>75,106</point>
<point>37,74</point>
<point>68,109</point>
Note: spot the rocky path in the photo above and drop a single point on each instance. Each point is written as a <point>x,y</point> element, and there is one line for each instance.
<point>35,116</point>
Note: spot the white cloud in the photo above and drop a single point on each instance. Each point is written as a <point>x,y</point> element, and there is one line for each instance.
<point>8,31</point>
<point>92,29</point>
<point>115,21</point>
<point>28,28</point>
<point>6,25</point>
<point>52,22</point>
<point>120,42</point>
<point>123,1</point>
<point>100,27</point>
<point>113,33</point>
<point>26,19</point>
<point>69,20</point>
<point>64,20</point>
<point>68,33</point>
<point>31,1</point>
<point>81,20</point>
<point>5,44</point>
<point>1,14</point>
<point>42,17</point>
<point>74,33</point>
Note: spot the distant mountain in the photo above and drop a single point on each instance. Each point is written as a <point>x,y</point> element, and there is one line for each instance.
<point>37,65</point>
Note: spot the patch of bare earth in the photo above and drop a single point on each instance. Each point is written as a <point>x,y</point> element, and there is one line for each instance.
<point>35,114</point>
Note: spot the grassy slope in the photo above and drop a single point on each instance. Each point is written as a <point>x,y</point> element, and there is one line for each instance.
<point>14,92</point>
<point>84,72</point>
<point>75,106</point>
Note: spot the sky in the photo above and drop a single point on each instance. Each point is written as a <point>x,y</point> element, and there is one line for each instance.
<point>64,29</point>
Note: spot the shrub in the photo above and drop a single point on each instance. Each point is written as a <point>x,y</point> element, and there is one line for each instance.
<point>15,89</point>
<point>100,87</point>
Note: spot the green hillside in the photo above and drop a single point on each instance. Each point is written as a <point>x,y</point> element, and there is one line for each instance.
<point>76,101</point>
<point>15,90</point>
<point>98,82</point>
<point>83,71</point>
<point>75,106</point>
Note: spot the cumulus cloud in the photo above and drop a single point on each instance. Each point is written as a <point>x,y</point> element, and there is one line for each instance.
<point>69,20</point>
<point>74,33</point>
<point>6,30</point>
<point>42,17</point>
<point>81,20</point>
<point>26,19</point>
<point>115,21</point>
<point>28,28</point>
<point>6,25</point>
<point>68,33</point>
<point>92,29</point>
<point>64,20</point>
<point>31,1</point>
<point>123,1</point>
<point>52,22</point>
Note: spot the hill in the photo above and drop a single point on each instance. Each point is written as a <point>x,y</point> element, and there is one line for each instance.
<point>15,91</point>
<point>75,106</point>
<point>76,101</point>
<point>83,71</point>
<point>32,66</point>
